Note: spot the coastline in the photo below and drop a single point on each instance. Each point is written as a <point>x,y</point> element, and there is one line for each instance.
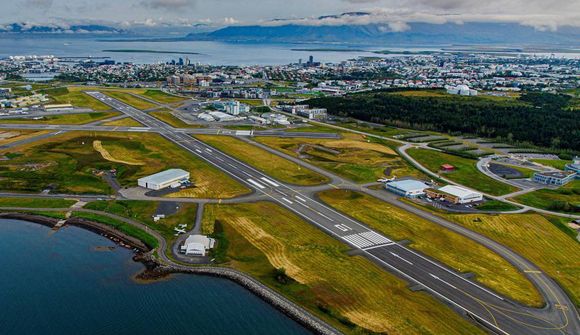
<point>155,270</point>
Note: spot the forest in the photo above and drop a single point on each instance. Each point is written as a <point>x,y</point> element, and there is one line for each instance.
<point>540,119</point>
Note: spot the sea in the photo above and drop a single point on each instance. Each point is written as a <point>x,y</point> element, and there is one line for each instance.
<point>207,52</point>
<point>70,282</point>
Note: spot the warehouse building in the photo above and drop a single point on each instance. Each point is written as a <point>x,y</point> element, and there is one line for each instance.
<point>558,178</point>
<point>407,188</point>
<point>197,245</point>
<point>161,180</point>
<point>454,194</point>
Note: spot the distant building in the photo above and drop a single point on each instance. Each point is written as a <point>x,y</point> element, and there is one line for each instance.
<point>461,90</point>
<point>197,245</point>
<point>407,188</point>
<point>231,107</point>
<point>454,194</point>
<point>574,167</point>
<point>313,114</point>
<point>161,180</point>
<point>558,178</point>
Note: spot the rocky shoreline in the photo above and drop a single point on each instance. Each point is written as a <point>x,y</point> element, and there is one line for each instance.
<point>155,270</point>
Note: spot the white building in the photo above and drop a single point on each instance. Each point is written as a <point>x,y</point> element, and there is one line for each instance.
<point>164,179</point>
<point>461,90</point>
<point>463,195</point>
<point>407,188</point>
<point>197,245</point>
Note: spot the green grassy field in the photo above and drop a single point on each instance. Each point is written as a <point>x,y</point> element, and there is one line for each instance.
<point>465,173</point>
<point>64,119</point>
<point>126,122</point>
<point>535,238</point>
<point>67,163</point>
<point>494,205</point>
<point>312,269</point>
<point>130,99</point>
<point>162,97</point>
<point>121,226</point>
<point>36,202</point>
<point>166,116</point>
<point>565,199</point>
<point>452,249</point>
<point>75,97</point>
<point>559,164</point>
<point>353,157</point>
<point>273,165</point>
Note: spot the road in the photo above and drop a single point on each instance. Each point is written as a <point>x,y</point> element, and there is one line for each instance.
<point>491,310</point>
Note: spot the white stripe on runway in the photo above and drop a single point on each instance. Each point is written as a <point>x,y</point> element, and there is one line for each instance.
<point>271,182</point>
<point>375,238</point>
<point>255,183</point>
<point>300,198</point>
<point>288,201</point>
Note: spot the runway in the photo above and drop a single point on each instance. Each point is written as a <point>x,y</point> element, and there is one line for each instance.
<point>491,310</point>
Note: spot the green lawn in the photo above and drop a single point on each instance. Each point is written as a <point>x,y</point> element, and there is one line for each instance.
<point>559,164</point>
<point>450,248</point>
<point>130,99</point>
<point>271,164</point>
<point>63,95</point>
<point>64,119</point>
<point>162,97</point>
<point>498,206</point>
<point>36,202</point>
<point>565,199</point>
<point>166,116</point>
<point>465,173</point>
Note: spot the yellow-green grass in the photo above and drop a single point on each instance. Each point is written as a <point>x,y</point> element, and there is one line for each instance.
<point>125,122</point>
<point>36,202</point>
<point>76,119</point>
<point>356,158</point>
<point>130,99</point>
<point>535,238</point>
<point>271,164</point>
<point>312,269</point>
<point>11,136</point>
<point>162,97</point>
<point>68,162</point>
<point>75,97</point>
<point>465,172</point>
<point>253,102</point>
<point>559,164</point>
<point>452,249</point>
<point>566,199</point>
<point>166,116</point>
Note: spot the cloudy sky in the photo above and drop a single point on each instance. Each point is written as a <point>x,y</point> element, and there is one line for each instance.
<point>543,14</point>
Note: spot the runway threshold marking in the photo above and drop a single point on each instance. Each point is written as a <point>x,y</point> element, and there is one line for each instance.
<point>255,183</point>
<point>271,182</point>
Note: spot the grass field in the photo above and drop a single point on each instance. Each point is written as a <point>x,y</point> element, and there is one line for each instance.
<point>64,118</point>
<point>312,269</point>
<point>273,165</point>
<point>566,199</point>
<point>494,205</point>
<point>121,226</point>
<point>559,164</point>
<point>75,97</point>
<point>166,116</point>
<point>452,249</point>
<point>36,202</point>
<point>130,99</point>
<point>126,122</point>
<point>143,212</point>
<point>535,238</point>
<point>353,157</point>
<point>465,173</point>
<point>67,163</point>
<point>162,97</point>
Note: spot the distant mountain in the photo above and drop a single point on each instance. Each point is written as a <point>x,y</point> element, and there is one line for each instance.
<point>416,33</point>
<point>26,28</point>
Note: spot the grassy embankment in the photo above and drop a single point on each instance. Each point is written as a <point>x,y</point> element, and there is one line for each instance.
<point>36,202</point>
<point>548,243</point>
<point>566,199</point>
<point>64,118</point>
<point>452,249</point>
<point>271,164</point>
<point>126,122</point>
<point>67,163</point>
<point>162,97</point>
<point>353,157</point>
<point>312,269</point>
<point>465,173</point>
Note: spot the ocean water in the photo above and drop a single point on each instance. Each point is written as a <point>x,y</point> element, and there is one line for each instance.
<point>214,53</point>
<point>60,283</point>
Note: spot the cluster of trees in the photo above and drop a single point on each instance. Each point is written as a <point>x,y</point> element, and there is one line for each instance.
<point>540,119</point>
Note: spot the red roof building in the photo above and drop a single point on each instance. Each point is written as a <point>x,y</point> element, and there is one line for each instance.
<point>447,167</point>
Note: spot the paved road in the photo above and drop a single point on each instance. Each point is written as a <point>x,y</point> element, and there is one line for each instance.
<point>486,307</point>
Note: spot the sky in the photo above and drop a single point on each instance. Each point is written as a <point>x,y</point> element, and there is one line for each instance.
<point>542,14</point>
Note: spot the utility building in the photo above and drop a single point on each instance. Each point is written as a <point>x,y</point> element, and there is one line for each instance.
<point>455,194</point>
<point>407,188</point>
<point>164,179</point>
